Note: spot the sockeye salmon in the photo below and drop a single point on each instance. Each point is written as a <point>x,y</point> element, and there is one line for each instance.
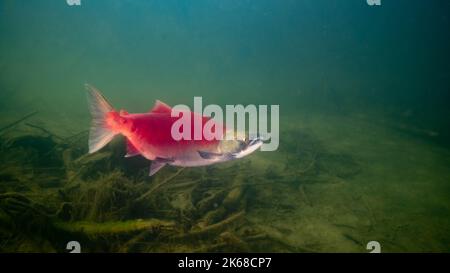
<point>150,135</point>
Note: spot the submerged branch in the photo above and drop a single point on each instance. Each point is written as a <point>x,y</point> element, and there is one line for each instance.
<point>44,130</point>
<point>17,121</point>
<point>149,192</point>
<point>70,138</point>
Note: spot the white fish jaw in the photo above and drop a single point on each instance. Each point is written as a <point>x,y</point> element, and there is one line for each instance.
<point>249,148</point>
<point>253,146</point>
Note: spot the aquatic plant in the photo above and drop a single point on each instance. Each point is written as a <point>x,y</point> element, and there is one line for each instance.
<point>52,191</point>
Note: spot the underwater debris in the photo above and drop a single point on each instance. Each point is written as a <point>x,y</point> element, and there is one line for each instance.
<point>117,227</point>
<point>340,165</point>
<point>6,127</point>
<point>207,231</point>
<point>113,205</point>
<point>156,187</point>
<point>305,197</point>
<point>65,212</point>
<point>44,131</point>
<point>29,225</point>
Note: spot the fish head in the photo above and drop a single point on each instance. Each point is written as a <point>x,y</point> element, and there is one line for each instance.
<point>239,145</point>
<point>247,146</point>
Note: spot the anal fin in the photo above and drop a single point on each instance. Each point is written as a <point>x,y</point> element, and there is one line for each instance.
<point>158,164</point>
<point>131,150</point>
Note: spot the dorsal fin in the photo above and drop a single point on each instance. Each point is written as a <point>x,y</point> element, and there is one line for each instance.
<point>161,107</point>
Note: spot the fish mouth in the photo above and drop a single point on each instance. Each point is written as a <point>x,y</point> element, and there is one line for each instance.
<point>248,147</point>
<point>248,143</point>
<point>244,148</point>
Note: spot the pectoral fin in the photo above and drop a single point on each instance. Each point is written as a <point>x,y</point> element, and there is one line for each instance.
<point>216,156</point>
<point>209,155</point>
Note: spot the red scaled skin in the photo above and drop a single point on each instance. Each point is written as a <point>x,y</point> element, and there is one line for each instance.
<point>150,134</point>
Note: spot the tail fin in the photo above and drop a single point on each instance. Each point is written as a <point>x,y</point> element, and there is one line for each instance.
<point>99,134</point>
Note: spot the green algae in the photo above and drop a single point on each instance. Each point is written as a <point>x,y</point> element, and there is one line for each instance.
<point>312,199</point>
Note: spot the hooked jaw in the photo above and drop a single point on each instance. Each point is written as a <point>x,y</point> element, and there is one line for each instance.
<point>245,148</point>
<point>249,147</point>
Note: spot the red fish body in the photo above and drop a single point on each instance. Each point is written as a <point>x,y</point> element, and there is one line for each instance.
<point>150,135</point>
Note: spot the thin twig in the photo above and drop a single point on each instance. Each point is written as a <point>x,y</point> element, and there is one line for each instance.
<point>310,165</point>
<point>44,130</point>
<point>159,185</point>
<point>76,135</point>
<point>18,121</point>
<point>305,196</point>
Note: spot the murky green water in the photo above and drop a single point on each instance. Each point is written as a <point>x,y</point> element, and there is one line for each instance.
<point>364,125</point>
